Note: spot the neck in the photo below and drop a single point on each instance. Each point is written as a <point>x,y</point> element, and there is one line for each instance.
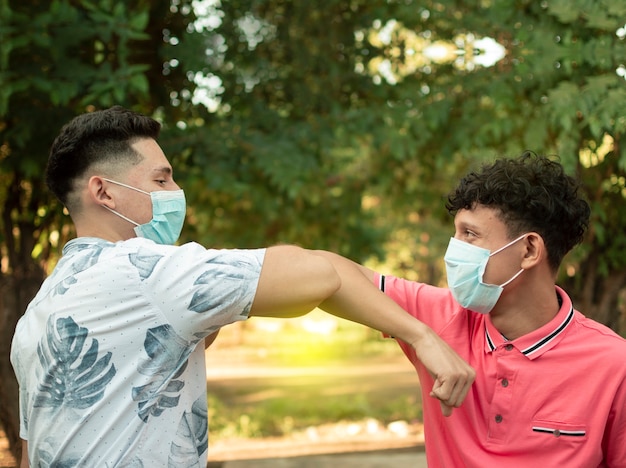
<point>105,226</point>
<point>519,312</point>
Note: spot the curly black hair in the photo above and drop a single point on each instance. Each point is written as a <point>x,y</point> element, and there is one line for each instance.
<point>531,193</point>
<point>100,137</point>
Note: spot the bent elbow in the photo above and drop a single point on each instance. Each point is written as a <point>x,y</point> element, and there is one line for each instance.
<point>333,280</point>
<point>324,281</point>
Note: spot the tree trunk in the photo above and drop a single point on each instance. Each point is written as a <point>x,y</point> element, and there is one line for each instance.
<point>599,297</point>
<point>16,291</point>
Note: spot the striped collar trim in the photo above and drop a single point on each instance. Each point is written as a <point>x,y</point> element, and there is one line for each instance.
<point>536,348</point>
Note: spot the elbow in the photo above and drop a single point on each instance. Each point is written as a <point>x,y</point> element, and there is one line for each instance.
<point>333,280</point>
<point>322,284</point>
<point>329,277</point>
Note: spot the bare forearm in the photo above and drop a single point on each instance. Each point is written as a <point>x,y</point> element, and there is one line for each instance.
<point>358,300</point>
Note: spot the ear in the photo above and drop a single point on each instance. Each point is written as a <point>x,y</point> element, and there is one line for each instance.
<point>98,192</point>
<point>534,251</point>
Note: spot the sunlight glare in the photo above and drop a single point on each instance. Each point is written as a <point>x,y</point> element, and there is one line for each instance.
<point>325,325</point>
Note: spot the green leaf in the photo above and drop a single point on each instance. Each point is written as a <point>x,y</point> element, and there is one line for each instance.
<point>139,83</point>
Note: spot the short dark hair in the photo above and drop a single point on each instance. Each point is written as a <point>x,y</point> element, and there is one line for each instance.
<point>98,137</point>
<point>531,193</point>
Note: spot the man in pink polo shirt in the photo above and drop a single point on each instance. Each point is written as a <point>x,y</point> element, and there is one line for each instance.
<point>550,386</point>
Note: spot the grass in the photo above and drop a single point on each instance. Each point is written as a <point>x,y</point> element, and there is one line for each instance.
<point>324,378</point>
<point>272,417</point>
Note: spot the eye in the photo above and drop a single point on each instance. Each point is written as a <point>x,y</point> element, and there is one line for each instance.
<point>162,182</point>
<point>463,234</point>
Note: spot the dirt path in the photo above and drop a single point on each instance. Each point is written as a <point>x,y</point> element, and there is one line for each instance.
<point>235,382</point>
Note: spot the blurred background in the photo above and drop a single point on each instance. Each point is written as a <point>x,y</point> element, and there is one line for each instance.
<point>337,125</point>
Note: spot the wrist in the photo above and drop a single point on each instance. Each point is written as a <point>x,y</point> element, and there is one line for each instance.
<point>419,334</point>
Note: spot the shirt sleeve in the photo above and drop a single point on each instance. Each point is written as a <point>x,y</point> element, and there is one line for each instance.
<point>200,290</point>
<point>432,305</point>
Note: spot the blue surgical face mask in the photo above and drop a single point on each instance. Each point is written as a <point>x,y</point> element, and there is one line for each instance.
<point>465,267</point>
<point>168,215</point>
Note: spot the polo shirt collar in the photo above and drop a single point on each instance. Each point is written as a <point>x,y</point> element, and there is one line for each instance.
<point>534,344</point>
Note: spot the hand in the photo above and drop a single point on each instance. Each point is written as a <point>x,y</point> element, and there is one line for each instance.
<point>453,376</point>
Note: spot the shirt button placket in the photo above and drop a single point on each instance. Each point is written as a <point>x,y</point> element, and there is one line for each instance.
<point>501,404</point>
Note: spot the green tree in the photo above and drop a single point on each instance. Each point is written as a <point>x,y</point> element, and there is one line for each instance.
<point>270,165</point>
<point>338,107</point>
<point>559,90</point>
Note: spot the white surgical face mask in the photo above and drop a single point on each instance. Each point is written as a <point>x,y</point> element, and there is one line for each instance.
<point>168,215</point>
<point>465,267</point>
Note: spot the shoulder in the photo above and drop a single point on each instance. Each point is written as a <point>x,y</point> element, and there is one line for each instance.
<point>599,333</point>
<point>193,262</point>
<point>601,344</point>
<point>193,251</point>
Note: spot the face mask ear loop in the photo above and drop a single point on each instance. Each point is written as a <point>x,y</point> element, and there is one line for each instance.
<point>126,185</point>
<point>121,215</point>
<point>500,250</point>
<point>507,245</point>
<point>511,280</point>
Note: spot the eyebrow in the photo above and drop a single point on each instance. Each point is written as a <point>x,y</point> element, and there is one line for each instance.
<point>470,225</point>
<point>467,225</point>
<point>163,170</point>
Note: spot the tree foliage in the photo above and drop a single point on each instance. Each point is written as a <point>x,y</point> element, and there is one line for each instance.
<point>337,125</point>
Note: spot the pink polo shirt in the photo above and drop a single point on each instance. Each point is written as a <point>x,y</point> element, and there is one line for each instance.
<point>555,397</point>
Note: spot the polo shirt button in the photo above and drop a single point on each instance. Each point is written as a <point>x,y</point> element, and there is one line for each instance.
<point>498,418</point>
<point>557,433</point>
<point>508,347</point>
<point>505,382</point>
